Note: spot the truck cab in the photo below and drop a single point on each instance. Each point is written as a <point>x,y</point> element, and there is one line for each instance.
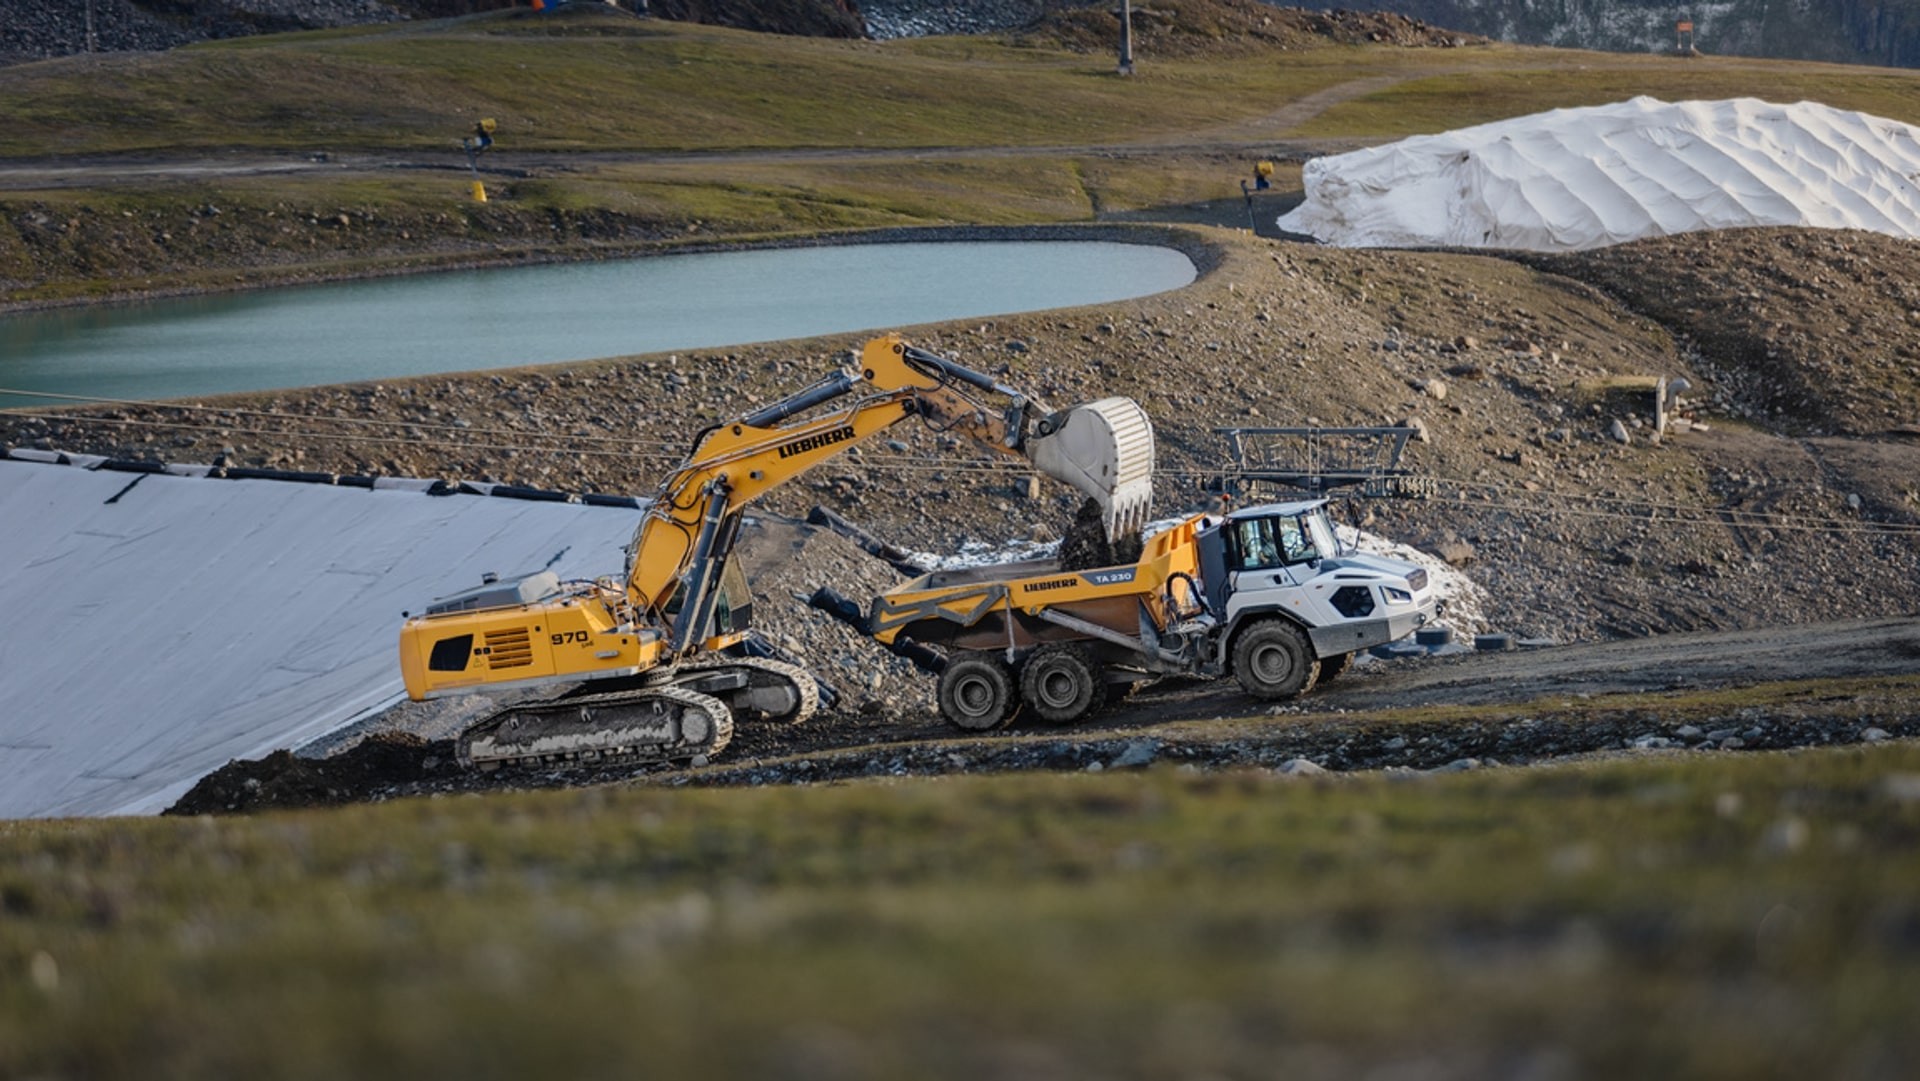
<point>1286,559</point>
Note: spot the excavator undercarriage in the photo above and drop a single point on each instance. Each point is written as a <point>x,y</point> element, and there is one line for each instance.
<point>667,716</point>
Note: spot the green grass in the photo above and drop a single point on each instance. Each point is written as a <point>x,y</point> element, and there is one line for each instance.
<point>1711,917</point>
<point>1529,81</point>
<point>865,112</point>
<point>606,84</point>
<point>678,87</point>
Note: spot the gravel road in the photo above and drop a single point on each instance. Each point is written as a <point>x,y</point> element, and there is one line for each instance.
<point>1668,694</point>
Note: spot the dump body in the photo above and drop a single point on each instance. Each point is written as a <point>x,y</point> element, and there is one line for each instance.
<point>1264,594</point>
<point>995,606</point>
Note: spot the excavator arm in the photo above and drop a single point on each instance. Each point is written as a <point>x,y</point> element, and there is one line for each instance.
<point>1104,449</point>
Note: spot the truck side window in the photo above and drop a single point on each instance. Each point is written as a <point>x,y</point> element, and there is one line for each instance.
<point>1254,544</point>
<point>1295,542</point>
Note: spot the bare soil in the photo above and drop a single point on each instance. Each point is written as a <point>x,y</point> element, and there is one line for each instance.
<point>1763,514</point>
<point>1809,686</point>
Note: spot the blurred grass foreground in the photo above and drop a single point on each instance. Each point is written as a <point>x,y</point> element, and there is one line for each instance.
<point>1716,916</point>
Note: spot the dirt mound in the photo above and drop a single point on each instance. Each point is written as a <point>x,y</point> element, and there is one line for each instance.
<point>284,780</point>
<point>1189,28</point>
<point>1810,331</point>
<point>1085,545</point>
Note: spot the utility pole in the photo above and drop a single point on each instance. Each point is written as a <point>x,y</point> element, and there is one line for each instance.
<point>93,44</point>
<point>1126,37</point>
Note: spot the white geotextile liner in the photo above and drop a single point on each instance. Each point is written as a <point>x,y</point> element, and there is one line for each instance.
<point>158,626</point>
<point>1586,178</point>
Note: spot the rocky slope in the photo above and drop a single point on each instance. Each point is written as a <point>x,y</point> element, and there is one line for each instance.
<point>1165,28</point>
<point>33,31</point>
<point>1530,383</point>
<point>1844,31</point>
<point>1791,498</point>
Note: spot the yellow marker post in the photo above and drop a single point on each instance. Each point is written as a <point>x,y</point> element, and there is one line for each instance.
<point>481,139</point>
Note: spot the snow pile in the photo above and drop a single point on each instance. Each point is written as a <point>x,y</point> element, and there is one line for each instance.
<point>1586,178</point>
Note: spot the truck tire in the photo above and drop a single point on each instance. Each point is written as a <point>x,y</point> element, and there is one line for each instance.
<point>1061,684</point>
<point>976,692</point>
<point>1272,659</point>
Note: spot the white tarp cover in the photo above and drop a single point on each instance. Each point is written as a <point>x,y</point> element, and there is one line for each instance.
<point>157,626</point>
<point>1586,178</point>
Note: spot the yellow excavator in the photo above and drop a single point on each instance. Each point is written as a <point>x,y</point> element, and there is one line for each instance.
<point>656,667</point>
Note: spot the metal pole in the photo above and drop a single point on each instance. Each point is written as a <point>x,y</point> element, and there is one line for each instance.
<point>1126,37</point>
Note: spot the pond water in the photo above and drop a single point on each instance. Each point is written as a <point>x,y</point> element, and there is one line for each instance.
<point>466,320</point>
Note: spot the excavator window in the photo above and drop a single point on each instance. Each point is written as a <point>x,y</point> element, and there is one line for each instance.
<point>733,609</point>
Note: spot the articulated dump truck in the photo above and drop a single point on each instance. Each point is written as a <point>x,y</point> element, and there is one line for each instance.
<point>1266,594</point>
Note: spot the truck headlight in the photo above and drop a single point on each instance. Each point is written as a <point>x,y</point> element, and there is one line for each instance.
<point>1396,596</point>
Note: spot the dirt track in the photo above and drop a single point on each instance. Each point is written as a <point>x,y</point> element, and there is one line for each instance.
<point>1539,706</point>
<point>1878,647</point>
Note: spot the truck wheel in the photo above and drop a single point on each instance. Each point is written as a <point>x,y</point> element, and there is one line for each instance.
<point>1061,684</point>
<point>1272,659</point>
<point>976,692</point>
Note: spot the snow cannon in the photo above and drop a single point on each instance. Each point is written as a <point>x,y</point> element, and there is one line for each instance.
<point>1104,449</point>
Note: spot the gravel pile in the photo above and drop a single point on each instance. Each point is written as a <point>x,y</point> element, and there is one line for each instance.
<point>922,18</point>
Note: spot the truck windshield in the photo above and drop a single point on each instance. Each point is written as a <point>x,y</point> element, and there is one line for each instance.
<point>1281,541</point>
<point>1321,530</point>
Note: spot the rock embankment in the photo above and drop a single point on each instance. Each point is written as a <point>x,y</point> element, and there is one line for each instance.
<point>37,31</point>
<point>1547,477</point>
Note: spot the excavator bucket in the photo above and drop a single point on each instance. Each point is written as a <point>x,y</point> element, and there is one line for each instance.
<point>1104,449</point>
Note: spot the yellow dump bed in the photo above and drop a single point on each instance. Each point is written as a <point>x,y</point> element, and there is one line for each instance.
<point>999,605</point>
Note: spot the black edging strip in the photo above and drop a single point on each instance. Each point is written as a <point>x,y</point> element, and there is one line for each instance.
<point>346,480</point>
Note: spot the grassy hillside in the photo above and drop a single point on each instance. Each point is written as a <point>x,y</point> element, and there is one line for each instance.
<point>610,83</point>
<point>607,82</point>
<point>1727,917</point>
<point>1530,81</point>
<point>336,152</point>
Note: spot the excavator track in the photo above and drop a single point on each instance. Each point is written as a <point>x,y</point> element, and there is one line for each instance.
<point>775,691</point>
<point>653,724</point>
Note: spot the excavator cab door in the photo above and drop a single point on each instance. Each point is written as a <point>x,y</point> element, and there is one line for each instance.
<point>732,605</point>
<point>733,609</point>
